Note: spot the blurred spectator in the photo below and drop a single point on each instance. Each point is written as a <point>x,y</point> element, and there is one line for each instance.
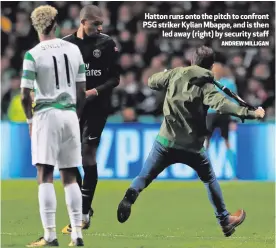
<point>11,107</point>
<point>265,55</point>
<point>256,94</point>
<point>126,43</point>
<point>147,101</point>
<point>126,63</point>
<point>141,42</point>
<point>71,24</point>
<point>261,71</point>
<point>126,21</point>
<point>6,28</point>
<point>177,62</point>
<point>6,74</point>
<point>270,113</point>
<point>129,115</point>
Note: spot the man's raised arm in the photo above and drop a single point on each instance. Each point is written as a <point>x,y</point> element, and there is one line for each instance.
<point>214,99</point>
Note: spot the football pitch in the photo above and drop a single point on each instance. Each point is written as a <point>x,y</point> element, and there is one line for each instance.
<point>168,214</point>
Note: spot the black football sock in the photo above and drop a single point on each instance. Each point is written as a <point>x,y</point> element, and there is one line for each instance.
<point>79,179</point>
<point>89,185</point>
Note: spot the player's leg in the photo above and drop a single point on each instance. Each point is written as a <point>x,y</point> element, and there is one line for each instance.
<point>200,163</point>
<point>90,130</point>
<point>158,159</point>
<point>223,123</point>
<point>211,126</point>
<point>47,206</point>
<point>73,200</point>
<point>47,201</point>
<point>90,179</point>
<point>44,153</point>
<point>68,161</point>
<point>90,141</point>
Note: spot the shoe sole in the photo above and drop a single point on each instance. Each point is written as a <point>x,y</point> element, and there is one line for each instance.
<point>232,230</point>
<point>124,211</point>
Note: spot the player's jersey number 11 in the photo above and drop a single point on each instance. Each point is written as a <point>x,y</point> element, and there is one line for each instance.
<point>67,71</point>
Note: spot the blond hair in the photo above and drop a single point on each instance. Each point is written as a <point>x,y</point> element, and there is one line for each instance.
<point>43,17</point>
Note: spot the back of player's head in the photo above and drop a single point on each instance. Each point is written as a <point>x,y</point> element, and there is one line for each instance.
<point>218,70</point>
<point>44,19</point>
<point>203,57</point>
<point>90,12</point>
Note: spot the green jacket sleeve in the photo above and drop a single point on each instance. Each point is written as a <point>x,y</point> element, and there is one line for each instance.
<point>214,99</point>
<point>160,80</point>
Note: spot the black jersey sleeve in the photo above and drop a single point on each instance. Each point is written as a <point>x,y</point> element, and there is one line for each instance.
<point>114,71</point>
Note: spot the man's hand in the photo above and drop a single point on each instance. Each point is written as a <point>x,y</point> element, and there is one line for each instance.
<point>259,113</point>
<point>92,92</point>
<point>30,129</point>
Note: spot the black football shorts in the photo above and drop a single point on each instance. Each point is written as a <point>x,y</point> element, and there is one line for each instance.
<point>91,128</point>
<point>219,121</point>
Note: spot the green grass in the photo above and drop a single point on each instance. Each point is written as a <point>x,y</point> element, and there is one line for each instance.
<point>168,214</point>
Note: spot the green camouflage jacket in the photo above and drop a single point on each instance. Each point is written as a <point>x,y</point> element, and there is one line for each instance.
<point>189,94</point>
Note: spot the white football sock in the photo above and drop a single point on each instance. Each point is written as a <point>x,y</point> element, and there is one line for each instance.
<point>85,217</point>
<point>50,234</point>
<point>74,204</point>
<point>47,207</point>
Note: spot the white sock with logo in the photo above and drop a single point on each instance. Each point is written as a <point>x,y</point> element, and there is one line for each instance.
<point>47,207</point>
<point>74,205</point>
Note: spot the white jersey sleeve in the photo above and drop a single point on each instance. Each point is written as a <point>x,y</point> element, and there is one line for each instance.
<point>29,71</point>
<point>81,73</point>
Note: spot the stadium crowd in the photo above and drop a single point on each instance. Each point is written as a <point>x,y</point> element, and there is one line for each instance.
<point>142,52</point>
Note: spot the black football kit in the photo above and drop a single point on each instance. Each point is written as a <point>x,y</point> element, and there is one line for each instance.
<point>100,56</point>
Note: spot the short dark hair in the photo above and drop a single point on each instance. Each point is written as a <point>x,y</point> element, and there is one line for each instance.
<point>204,57</point>
<point>89,11</point>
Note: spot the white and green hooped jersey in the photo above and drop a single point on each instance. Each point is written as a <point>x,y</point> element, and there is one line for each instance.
<point>52,68</point>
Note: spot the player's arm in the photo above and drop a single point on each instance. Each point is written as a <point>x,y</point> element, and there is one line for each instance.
<point>159,81</point>
<point>26,101</point>
<point>27,85</point>
<point>81,96</point>
<point>114,73</point>
<point>214,99</point>
<point>81,86</point>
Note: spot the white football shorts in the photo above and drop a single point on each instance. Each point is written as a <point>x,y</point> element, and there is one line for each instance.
<point>56,138</point>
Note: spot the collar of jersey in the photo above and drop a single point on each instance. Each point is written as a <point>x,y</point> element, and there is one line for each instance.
<point>86,36</point>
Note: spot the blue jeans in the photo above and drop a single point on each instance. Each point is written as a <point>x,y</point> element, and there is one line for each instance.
<point>161,157</point>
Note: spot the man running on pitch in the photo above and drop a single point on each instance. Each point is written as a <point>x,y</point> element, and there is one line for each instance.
<point>189,94</point>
